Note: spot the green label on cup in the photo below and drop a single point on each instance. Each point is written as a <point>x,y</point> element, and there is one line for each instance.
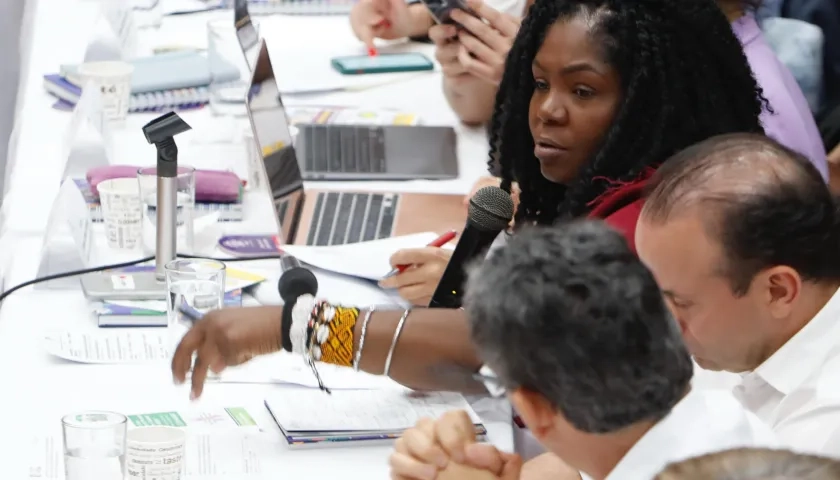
<point>240,416</point>
<point>169,419</point>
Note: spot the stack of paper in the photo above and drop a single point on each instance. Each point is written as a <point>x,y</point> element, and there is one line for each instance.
<point>309,417</point>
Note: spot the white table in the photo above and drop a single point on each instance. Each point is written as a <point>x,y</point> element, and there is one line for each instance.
<point>37,388</point>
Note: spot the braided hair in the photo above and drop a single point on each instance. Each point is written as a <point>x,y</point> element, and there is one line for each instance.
<point>684,78</point>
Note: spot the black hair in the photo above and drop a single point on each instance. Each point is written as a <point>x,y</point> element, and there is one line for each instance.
<point>571,313</point>
<point>684,78</point>
<point>766,204</point>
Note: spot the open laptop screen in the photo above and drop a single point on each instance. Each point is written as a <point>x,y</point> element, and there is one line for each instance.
<point>246,33</point>
<point>274,139</point>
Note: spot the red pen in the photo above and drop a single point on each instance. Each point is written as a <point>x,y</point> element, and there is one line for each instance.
<point>438,242</point>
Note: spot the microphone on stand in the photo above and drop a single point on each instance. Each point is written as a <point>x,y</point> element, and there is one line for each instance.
<point>296,280</point>
<point>490,212</point>
<point>160,132</point>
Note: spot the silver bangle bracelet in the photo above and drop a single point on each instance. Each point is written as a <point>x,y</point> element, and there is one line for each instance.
<point>358,357</point>
<point>394,341</point>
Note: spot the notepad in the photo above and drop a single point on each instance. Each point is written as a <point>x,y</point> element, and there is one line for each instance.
<point>309,417</point>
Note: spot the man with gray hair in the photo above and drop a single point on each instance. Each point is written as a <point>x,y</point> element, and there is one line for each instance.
<point>743,238</point>
<point>578,335</point>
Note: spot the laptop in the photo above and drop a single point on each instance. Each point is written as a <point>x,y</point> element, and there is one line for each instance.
<point>246,32</point>
<point>333,217</point>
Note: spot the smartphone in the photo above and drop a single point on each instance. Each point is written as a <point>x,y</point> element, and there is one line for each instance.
<point>441,10</point>
<point>385,63</point>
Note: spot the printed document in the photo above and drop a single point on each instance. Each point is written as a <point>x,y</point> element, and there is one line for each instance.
<point>112,346</point>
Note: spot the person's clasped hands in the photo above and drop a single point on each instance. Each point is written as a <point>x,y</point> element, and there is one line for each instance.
<point>480,47</point>
<point>446,449</point>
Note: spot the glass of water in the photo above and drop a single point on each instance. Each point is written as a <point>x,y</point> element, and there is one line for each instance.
<point>147,178</point>
<point>195,287</point>
<point>94,445</point>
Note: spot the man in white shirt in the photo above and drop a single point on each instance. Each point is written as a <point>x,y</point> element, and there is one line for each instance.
<point>743,238</point>
<point>577,333</point>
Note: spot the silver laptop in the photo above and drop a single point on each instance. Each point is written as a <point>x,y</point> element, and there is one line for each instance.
<point>333,217</point>
<point>246,33</point>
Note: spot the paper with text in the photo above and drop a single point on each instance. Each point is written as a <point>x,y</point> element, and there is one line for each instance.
<point>301,410</point>
<point>368,260</point>
<point>109,346</point>
<point>204,419</point>
<point>289,368</point>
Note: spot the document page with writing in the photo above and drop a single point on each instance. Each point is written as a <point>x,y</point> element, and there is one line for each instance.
<point>109,346</point>
<point>302,410</point>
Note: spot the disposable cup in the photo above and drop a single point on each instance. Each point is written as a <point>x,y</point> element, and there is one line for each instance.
<point>113,79</point>
<point>122,212</point>
<point>155,453</point>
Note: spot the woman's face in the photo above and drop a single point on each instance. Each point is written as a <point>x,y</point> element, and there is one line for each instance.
<point>576,97</point>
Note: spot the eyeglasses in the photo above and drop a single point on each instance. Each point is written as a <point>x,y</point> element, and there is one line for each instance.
<point>490,381</point>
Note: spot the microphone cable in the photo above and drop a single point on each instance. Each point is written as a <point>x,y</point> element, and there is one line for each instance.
<point>114,266</point>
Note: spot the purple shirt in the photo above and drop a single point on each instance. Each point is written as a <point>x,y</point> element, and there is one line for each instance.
<point>791,122</point>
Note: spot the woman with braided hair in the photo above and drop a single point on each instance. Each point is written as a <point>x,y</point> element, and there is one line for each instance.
<point>595,94</point>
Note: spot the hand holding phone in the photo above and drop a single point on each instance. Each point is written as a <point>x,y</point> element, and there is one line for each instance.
<point>441,10</point>
<point>484,27</point>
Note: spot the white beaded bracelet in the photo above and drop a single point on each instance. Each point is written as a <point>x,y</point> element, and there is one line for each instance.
<point>300,318</point>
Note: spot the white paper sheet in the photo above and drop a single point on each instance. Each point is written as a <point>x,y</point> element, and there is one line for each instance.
<point>360,410</point>
<point>368,260</point>
<point>242,454</point>
<point>287,368</point>
<point>109,346</point>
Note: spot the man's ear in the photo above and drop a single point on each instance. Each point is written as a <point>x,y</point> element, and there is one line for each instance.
<point>535,410</point>
<point>782,286</point>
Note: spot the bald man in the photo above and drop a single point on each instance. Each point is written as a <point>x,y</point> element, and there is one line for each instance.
<point>743,238</point>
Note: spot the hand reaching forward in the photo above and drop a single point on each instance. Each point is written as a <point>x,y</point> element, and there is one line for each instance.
<point>446,449</point>
<point>225,338</point>
<point>486,41</point>
<point>418,282</point>
<point>386,19</point>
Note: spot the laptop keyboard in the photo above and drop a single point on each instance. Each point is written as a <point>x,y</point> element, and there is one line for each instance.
<point>343,149</point>
<point>342,218</point>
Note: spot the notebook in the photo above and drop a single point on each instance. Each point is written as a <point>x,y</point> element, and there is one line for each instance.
<point>228,212</point>
<point>300,7</point>
<point>181,99</point>
<point>311,417</point>
<point>169,71</point>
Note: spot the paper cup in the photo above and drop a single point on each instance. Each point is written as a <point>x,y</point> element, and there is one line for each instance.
<point>113,79</point>
<point>122,212</point>
<point>155,453</point>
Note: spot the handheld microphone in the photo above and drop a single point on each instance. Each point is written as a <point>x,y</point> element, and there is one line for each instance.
<point>490,211</point>
<point>296,280</point>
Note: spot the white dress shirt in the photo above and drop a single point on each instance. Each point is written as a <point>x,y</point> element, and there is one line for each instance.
<point>705,421</point>
<point>797,390</point>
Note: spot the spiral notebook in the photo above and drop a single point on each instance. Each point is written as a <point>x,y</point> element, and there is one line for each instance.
<point>310,417</point>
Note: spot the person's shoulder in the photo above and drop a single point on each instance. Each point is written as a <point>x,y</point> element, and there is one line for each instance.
<point>620,208</point>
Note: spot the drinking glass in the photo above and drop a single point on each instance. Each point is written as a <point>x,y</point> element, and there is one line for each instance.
<point>230,70</point>
<point>194,287</point>
<point>147,178</point>
<point>94,445</point>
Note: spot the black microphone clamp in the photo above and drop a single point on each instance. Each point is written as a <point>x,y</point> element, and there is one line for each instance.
<point>296,280</point>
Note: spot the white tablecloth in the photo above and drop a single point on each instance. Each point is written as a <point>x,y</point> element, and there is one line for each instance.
<point>36,388</point>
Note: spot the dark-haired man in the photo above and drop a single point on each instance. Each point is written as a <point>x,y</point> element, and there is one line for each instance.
<point>743,238</point>
<point>577,333</point>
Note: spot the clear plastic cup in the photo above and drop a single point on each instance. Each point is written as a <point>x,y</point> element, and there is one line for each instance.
<point>121,212</point>
<point>155,453</point>
<point>195,287</point>
<point>113,79</point>
<point>94,445</point>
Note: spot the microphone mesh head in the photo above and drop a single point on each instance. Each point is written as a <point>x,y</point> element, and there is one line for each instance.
<point>491,209</point>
